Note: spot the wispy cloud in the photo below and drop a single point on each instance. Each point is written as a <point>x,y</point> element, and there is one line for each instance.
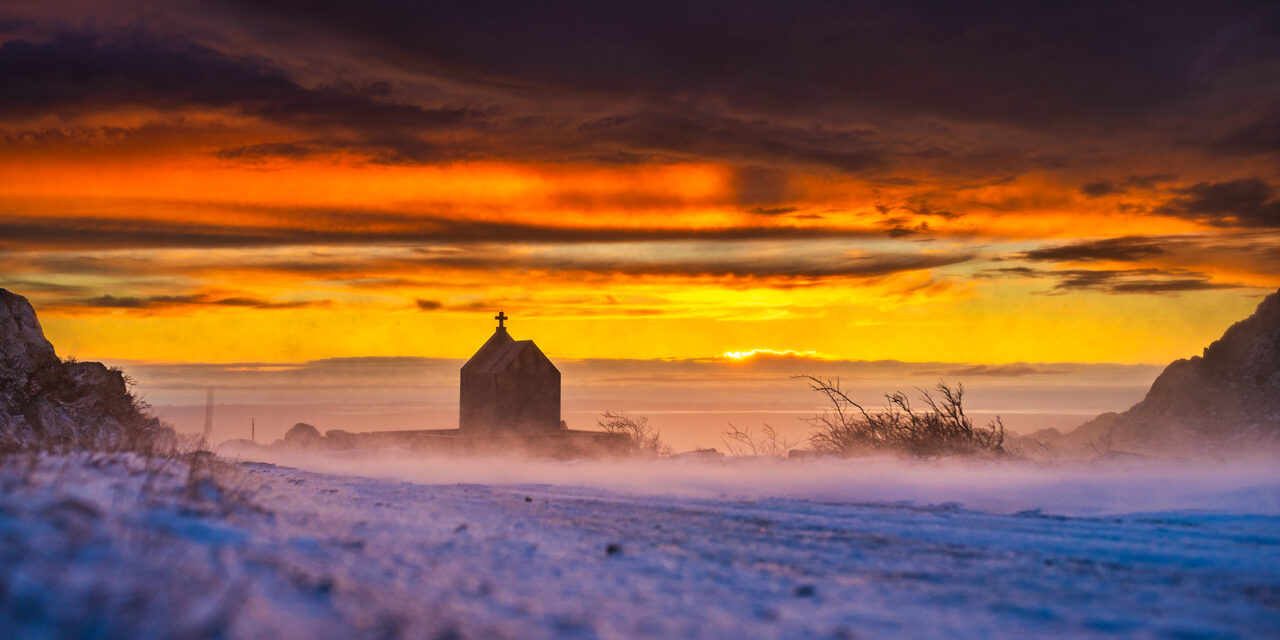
<point>1118,281</point>
<point>171,302</point>
<point>1248,202</point>
<point>1014,370</point>
<point>1129,249</point>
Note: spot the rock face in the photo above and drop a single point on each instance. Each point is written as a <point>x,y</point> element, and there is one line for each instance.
<point>1224,402</point>
<point>46,400</point>
<point>303,435</point>
<point>23,346</point>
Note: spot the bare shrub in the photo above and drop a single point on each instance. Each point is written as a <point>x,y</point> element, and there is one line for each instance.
<point>643,437</point>
<point>742,442</point>
<point>938,427</point>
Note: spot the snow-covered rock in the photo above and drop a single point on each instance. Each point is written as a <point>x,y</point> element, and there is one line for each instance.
<point>23,346</point>
<point>341,439</point>
<point>50,421</point>
<point>303,435</point>
<point>43,399</point>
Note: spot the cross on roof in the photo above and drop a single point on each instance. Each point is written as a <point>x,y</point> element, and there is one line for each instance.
<point>500,318</point>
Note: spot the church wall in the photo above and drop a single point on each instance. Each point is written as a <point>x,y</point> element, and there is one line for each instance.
<point>524,398</point>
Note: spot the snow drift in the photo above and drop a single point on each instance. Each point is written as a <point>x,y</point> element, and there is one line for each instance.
<point>1104,487</point>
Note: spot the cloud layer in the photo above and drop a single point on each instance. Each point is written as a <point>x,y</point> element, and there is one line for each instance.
<point>791,166</point>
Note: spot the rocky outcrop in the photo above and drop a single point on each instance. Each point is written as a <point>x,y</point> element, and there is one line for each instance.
<point>46,400</point>
<point>341,439</point>
<point>24,351</point>
<point>1224,402</point>
<point>22,342</point>
<point>303,435</point>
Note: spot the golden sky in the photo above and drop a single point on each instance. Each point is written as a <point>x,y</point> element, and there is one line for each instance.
<point>277,182</point>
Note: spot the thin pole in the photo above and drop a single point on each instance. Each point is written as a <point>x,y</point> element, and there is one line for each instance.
<point>208,415</point>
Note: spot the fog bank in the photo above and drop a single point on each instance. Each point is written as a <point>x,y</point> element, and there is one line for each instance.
<point>1074,490</point>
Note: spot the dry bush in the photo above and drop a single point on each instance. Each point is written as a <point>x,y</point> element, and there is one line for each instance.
<point>938,427</point>
<point>643,438</point>
<point>741,442</point>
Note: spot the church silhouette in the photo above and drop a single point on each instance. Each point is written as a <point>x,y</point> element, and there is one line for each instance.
<point>509,387</point>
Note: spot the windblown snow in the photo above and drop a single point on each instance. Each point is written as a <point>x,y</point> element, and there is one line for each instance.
<point>98,545</point>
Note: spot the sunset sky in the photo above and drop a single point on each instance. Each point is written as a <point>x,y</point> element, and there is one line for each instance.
<point>280,182</point>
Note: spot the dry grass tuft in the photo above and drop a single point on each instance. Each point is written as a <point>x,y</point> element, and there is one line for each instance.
<point>939,427</point>
<point>644,438</point>
<point>742,442</point>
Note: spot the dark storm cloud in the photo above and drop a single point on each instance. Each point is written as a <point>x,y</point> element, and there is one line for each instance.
<point>85,72</point>
<point>267,150</point>
<point>755,82</point>
<point>699,133</point>
<point>1102,188</point>
<point>1034,64</point>
<point>68,233</point>
<point>1119,281</point>
<point>1008,271</point>
<point>1249,202</point>
<point>1099,189</point>
<point>1149,181</point>
<point>815,265</point>
<point>774,211</point>
<point>1197,282</point>
<point>1127,249</point>
<point>165,302</point>
<point>305,226</point>
<point>129,302</point>
<point>684,259</point>
<point>74,73</point>
<point>810,266</point>
<point>1260,137</point>
<point>376,149</point>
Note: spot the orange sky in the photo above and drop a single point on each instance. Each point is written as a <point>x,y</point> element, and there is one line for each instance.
<point>318,191</point>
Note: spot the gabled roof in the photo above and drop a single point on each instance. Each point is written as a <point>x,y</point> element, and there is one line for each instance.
<point>489,351</point>
<point>498,352</point>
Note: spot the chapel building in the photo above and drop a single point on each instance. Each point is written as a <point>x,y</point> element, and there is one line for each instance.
<point>509,388</point>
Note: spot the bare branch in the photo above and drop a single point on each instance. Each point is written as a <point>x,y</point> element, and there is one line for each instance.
<point>643,438</point>
<point>939,427</point>
<point>741,442</point>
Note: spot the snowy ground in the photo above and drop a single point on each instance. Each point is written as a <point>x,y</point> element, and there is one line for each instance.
<point>109,546</point>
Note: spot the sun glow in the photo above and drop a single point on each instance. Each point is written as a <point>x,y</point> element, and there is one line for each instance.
<point>789,353</point>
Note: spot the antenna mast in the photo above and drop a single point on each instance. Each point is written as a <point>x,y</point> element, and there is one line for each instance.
<point>208,416</point>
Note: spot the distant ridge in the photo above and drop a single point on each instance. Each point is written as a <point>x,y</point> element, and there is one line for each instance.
<point>1226,401</point>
